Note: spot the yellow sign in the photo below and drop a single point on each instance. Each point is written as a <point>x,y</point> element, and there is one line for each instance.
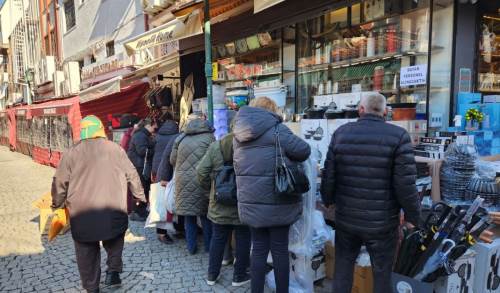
<point>215,70</point>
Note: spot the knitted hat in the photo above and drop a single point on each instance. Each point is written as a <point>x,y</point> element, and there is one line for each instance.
<point>91,127</point>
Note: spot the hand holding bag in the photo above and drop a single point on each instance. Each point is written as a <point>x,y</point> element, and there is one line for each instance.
<point>289,180</point>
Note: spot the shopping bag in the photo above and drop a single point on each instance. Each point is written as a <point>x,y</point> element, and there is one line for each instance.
<point>170,195</point>
<point>60,221</point>
<point>157,205</point>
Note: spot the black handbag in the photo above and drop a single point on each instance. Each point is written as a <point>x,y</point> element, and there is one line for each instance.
<point>288,180</point>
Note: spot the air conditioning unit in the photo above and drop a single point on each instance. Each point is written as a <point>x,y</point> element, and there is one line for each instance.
<point>58,83</point>
<point>5,77</point>
<point>72,77</point>
<point>154,6</point>
<point>46,69</point>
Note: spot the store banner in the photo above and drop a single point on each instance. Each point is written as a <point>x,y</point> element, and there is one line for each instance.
<point>182,27</point>
<point>413,75</point>
<point>259,5</point>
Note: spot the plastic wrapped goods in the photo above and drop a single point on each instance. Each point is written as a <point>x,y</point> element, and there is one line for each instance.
<point>457,171</point>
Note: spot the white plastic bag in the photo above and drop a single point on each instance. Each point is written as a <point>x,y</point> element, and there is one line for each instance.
<point>293,287</point>
<point>170,195</point>
<point>157,205</point>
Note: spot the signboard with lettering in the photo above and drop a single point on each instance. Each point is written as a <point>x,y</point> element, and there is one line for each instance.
<point>413,75</point>
<point>176,29</point>
<point>21,112</point>
<point>105,66</point>
<point>49,111</point>
<point>259,5</point>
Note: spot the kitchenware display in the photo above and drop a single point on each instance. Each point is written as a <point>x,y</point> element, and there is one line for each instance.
<point>457,171</point>
<point>231,48</point>
<point>485,188</point>
<point>241,46</point>
<point>351,112</point>
<point>319,133</point>
<point>391,39</point>
<point>265,39</point>
<point>378,78</point>
<point>315,112</point>
<point>221,49</point>
<point>253,42</point>
<point>333,113</point>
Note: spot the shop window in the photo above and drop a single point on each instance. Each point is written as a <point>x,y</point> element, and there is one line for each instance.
<point>69,14</point>
<point>339,56</point>
<point>489,59</point>
<point>110,48</point>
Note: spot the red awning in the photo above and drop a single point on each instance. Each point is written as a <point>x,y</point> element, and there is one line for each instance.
<point>128,100</point>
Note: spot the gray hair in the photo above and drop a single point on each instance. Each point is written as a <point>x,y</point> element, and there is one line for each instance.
<point>374,103</point>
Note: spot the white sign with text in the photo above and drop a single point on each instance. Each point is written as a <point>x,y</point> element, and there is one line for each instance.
<point>413,75</point>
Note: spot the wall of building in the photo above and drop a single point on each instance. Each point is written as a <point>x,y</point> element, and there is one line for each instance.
<point>98,22</point>
<point>10,14</point>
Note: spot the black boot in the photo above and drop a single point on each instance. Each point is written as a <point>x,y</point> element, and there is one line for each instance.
<point>113,279</point>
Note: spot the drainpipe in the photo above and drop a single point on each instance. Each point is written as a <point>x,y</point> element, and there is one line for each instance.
<point>208,62</point>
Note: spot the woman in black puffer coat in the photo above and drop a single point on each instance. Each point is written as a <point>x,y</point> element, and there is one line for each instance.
<point>268,215</point>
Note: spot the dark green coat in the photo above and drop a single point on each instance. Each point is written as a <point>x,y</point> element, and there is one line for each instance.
<point>207,169</point>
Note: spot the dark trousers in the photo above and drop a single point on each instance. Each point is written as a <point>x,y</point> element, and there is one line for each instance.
<point>141,207</point>
<point>221,235</point>
<point>276,240</point>
<point>88,259</point>
<point>382,252</point>
<point>191,228</point>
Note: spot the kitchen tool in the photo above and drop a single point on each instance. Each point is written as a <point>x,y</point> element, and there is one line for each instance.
<point>378,78</point>
<point>334,114</point>
<point>370,45</point>
<point>315,112</point>
<point>318,134</point>
<point>264,39</point>
<point>221,49</point>
<point>241,46</point>
<point>231,48</point>
<point>253,42</point>
<point>403,111</point>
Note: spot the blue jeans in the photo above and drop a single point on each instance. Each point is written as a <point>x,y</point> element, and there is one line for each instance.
<point>276,240</point>
<point>192,232</point>
<point>220,237</point>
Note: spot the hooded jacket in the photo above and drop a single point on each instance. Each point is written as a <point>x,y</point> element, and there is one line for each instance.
<point>370,175</point>
<point>211,164</point>
<point>141,144</point>
<point>189,148</point>
<point>255,164</point>
<point>167,133</point>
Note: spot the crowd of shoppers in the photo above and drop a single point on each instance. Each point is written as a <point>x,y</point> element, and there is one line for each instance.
<point>369,175</point>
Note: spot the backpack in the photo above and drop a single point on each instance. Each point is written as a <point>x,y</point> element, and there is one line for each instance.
<point>225,185</point>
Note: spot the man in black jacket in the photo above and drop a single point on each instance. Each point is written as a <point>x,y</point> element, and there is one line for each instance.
<point>369,175</point>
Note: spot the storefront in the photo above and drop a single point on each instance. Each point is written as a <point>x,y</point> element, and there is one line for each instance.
<point>23,130</point>
<point>4,129</point>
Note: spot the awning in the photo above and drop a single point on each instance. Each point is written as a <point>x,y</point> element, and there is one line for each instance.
<point>161,66</point>
<point>103,89</point>
<point>259,5</point>
<point>179,28</point>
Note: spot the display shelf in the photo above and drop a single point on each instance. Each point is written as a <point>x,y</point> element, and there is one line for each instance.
<point>358,61</point>
<point>249,78</point>
<point>273,45</point>
<point>495,90</point>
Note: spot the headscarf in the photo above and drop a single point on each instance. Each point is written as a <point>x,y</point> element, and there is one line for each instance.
<point>91,127</point>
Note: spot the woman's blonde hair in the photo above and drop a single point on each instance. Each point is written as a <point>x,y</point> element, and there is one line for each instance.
<point>264,103</point>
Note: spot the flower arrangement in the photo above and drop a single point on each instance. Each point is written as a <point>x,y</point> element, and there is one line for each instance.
<point>474,115</point>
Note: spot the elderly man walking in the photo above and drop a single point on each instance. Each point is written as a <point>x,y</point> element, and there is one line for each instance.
<point>369,175</point>
<point>91,181</point>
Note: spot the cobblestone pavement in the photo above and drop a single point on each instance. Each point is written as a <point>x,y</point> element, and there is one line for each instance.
<point>28,263</point>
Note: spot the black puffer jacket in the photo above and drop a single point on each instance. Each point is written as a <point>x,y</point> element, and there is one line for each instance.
<point>167,133</point>
<point>141,144</point>
<point>370,175</point>
<point>254,165</point>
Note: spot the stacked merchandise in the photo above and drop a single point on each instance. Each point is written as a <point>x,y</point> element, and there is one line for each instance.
<point>457,171</point>
<point>483,184</point>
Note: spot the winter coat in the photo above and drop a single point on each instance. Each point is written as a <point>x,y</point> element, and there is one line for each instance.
<point>91,181</point>
<point>208,168</point>
<point>255,164</point>
<point>165,169</point>
<point>142,144</point>
<point>190,198</point>
<point>370,175</point>
<point>167,133</point>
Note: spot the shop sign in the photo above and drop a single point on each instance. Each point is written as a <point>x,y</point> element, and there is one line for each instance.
<point>465,78</point>
<point>176,29</point>
<point>259,5</point>
<point>107,65</point>
<point>413,75</point>
<point>215,71</point>
<point>49,111</point>
<point>21,112</point>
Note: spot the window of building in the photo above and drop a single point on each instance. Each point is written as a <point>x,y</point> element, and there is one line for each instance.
<point>110,48</point>
<point>69,14</point>
<point>92,59</point>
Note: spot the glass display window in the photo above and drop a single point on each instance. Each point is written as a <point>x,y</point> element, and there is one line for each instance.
<point>489,59</point>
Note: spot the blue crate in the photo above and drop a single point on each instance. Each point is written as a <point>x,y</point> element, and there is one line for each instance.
<point>469,98</point>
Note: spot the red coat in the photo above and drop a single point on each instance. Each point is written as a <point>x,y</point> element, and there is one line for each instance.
<point>126,138</point>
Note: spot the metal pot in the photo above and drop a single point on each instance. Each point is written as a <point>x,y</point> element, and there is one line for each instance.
<point>315,112</point>
<point>334,114</point>
<point>350,113</point>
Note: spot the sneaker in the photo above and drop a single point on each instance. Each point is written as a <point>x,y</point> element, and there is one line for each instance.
<point>227,262</point>
<point>112,279</point>
<point>240,281</point>
<point>165,239</point>
<point>212,279</point>
<point>135,217</point>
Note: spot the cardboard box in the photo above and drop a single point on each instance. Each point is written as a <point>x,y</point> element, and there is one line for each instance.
<point>404,284</point>
<point>329,260</point>
<point>487,259</point>
<point>363,280</point>
<point>463,279</point>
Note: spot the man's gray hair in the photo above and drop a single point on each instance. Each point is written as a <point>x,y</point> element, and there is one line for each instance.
<point>374,103</point>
